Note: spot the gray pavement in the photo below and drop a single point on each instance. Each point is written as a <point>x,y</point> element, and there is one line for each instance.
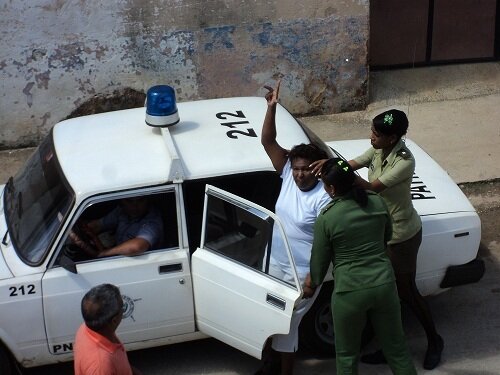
<point>454,114</point>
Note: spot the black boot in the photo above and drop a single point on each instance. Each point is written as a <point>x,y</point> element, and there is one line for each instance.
<point>433,356</point>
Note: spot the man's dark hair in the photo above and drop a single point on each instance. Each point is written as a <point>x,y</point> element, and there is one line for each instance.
<point>309,152</point>
<point>100,304</point>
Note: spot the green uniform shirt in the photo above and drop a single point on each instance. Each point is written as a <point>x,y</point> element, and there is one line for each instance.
<point>396,173</point>
<point>354,239</point>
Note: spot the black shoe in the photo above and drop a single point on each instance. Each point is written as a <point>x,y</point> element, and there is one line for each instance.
<point>433,357</point>
<point>375,358</point>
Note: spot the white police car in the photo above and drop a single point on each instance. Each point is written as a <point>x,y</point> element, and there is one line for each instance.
<point>216,188</point>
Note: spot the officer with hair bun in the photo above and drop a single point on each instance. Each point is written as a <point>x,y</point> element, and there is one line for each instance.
<point>352,232</point>
<point>390,170</point>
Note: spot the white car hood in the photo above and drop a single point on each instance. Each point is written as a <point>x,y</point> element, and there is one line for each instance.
<point>433,190</point>
<point>4,270</point>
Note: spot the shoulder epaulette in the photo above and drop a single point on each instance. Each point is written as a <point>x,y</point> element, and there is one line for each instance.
<point>404,153</point>
<point>328,206</point>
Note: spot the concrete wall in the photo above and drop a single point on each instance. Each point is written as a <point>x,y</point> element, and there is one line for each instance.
<point>56,55</point>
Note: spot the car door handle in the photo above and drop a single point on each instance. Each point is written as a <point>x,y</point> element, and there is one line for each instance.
<point>167,268</point>
<point>276,301</point>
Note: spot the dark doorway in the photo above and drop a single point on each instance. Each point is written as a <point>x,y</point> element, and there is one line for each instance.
<point>427,32</point>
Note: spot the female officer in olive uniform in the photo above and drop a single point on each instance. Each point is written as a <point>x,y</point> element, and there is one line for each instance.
<point>352,232</point>
<point>390,170</point>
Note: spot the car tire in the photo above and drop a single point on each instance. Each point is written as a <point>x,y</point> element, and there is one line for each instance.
<point>316,333</point>
<point>6,367</point>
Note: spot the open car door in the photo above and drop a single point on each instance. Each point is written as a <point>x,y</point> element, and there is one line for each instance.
<point>237,299</point>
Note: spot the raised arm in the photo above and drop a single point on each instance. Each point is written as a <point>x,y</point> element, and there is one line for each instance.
<point>276,153</point>
<point>375,185</point>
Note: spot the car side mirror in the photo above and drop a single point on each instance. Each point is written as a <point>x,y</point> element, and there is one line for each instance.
<point>68,264</point>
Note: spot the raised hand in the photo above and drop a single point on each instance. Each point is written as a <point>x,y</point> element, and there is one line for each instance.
<point>272,96</point>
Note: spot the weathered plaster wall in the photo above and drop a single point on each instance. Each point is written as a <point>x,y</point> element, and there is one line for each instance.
<point>57,54</point>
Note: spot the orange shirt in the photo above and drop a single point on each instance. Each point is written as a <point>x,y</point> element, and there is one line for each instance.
<point>96,355</point>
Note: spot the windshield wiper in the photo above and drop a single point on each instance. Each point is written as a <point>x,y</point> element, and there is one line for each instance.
<point>10,183</point>
<point>10,189</point>
<point>4,241</point>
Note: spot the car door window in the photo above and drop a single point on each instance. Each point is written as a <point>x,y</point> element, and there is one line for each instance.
<point>261,188</point>
<point>239,232</point>
<point>108,224</point>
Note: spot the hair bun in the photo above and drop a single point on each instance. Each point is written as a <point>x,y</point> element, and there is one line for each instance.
<point>391,122</point>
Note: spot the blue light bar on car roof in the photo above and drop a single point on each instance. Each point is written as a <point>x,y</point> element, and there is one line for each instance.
<point>161,107</point>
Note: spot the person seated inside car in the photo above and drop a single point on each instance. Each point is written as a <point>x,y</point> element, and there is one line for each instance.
<point>136,224</point>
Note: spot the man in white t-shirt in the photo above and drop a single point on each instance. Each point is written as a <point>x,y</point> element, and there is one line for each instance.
<point>300,201</point>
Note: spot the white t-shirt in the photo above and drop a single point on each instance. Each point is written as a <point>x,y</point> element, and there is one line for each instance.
<point>297,211</point>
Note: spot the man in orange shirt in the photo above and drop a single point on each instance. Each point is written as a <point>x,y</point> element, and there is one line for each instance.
<point>97,349</point>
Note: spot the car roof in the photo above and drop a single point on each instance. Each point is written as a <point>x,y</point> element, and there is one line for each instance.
<point>116,150</point>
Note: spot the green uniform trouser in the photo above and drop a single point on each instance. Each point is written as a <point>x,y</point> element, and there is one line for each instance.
<point>381,306</point>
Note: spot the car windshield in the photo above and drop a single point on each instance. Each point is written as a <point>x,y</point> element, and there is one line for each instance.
<point>37,200</point>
